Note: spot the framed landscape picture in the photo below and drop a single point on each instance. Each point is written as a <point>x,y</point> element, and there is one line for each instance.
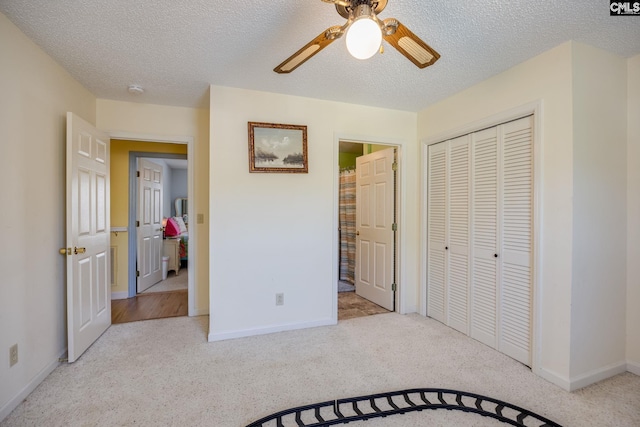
<point>277,148</point>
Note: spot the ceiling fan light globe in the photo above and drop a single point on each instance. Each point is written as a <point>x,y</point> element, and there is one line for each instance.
<point>364,38</point>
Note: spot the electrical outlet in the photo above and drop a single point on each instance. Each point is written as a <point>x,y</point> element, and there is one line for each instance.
<point>13,355</point>
<point>279,299</point>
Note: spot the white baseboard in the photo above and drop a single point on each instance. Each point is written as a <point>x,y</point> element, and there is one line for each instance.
<point>268,330</point>
<point>589,378</point>
<point>554,378</point>
<point>31,385</point>
<point>199,312</point>
<point>119,295</point>
<point>593,377</point>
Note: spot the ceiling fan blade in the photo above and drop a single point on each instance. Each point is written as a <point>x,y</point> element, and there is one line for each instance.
<point>310,49</point>
<point>338,2</point>
<point>409,44</point>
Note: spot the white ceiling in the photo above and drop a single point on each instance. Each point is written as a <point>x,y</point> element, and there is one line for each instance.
<point>176,49</point>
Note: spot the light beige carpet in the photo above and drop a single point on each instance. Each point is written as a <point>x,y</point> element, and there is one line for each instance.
<point>171,283</point>
<point>163,373</point>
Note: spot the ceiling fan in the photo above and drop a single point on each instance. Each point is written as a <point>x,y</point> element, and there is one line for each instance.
<point>364,32</point>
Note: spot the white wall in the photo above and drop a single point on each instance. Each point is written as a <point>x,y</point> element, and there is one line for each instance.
<point>158,120</point>
<point>275,233</point>
<point>546,78</point>
<point>633,214</point>
<point>35,95</point>
<point>598,290</point>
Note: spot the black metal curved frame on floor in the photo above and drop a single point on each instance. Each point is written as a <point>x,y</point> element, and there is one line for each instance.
<point>343,411</point>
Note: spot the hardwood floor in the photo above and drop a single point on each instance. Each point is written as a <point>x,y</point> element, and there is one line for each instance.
<point>172,304</point>
<point>351,306</point>
<point>150,306</point>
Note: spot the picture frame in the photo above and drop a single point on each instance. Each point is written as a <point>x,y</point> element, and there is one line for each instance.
<point>277,148</point>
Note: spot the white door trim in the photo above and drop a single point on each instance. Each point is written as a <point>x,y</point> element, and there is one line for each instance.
<point>401,214</point>
<point>193,206</point>
<point>533,108</point>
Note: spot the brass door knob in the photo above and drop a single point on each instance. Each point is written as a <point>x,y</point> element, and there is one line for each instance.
<point>79,250</point>
<point>65,251</point>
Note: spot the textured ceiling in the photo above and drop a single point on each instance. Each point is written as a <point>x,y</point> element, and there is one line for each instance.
<point>176,49</point>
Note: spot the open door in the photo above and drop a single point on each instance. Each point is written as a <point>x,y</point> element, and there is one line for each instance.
<point>88,239</point>
<point>375,237</point>
<point>149,224</point>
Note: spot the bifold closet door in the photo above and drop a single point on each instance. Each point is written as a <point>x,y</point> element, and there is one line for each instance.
<point>457,235</point>
<point>516,234</point>
<point>437,224</point>
<point>484,225</point>
<point>480,236</point>
<point>448,251</point>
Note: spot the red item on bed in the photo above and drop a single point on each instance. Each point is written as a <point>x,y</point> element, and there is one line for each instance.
<point>171,229</point>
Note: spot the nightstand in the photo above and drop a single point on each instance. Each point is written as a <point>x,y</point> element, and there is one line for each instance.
<point>171,248</point>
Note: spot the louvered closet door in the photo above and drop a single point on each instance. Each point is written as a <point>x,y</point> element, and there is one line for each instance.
<point>480,225</point>
<point>484,225</point>
<point>516,239</point>
<point>457,237</point>
<point>436,205</point>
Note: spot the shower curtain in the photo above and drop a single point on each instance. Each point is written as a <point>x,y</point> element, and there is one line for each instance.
<point>347,224</point>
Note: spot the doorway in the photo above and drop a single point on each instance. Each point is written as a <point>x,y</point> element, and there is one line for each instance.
<point>154,302</point>
<point>367,225</point>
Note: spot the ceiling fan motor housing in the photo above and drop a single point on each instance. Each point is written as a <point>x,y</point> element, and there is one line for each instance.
<point>377,7</point>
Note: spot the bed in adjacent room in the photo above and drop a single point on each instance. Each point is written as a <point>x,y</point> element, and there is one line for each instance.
<point>177,229</point>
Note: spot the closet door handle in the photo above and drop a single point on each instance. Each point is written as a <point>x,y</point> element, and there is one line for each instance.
<point>446,248</point>
<point>495,255</point>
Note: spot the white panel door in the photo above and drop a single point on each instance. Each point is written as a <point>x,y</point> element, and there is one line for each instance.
<point>437,225</point>
<point>516,257</point>
<point>484,225</point>
<point>374,233</point>
<point>149,224</point>
<point>88,239</point>
<point>457,248</point>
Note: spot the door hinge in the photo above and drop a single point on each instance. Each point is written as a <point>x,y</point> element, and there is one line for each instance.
<point>138,174</point>
<point>137,223</point>
<point>394,166</point>
<point>137,274</point>
<point>394,287</point>
<point>394,226</point>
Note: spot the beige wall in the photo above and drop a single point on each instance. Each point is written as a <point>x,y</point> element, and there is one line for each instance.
<point>546,78</point>
<point>149,121</point>
<point>35,94</point>
<point>599,282</point>
<point>274,233</point>
<point>633,214</point>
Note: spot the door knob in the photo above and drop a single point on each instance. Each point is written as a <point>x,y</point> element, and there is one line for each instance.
<point>79,250</point>
<point>357,233</point>
<point>64,251</point>
<point>446,248</point>
<point>495,255</point>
